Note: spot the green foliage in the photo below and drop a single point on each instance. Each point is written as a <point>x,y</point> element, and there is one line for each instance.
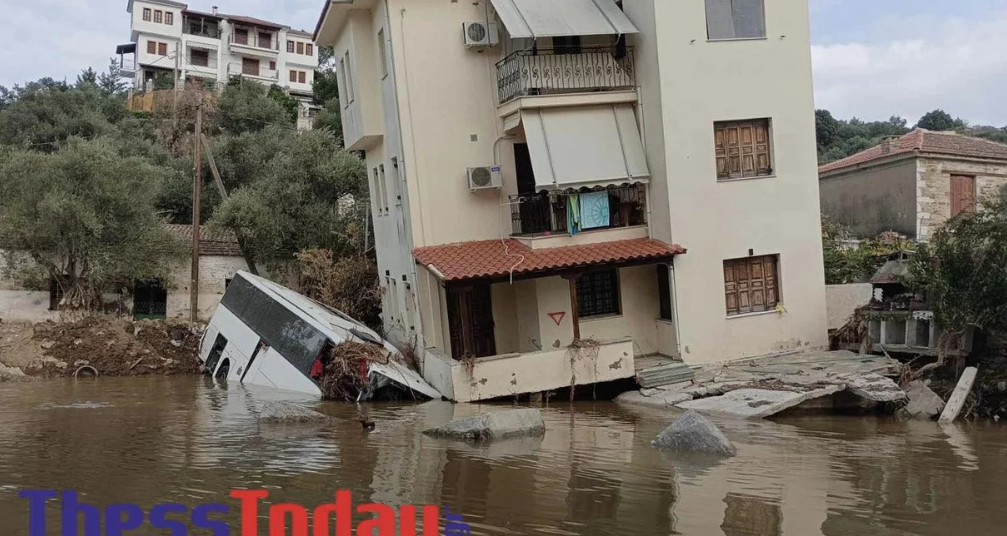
<point>85,214</point>
<point>44,114</point>
<point>87,78</point>
<point>940,120</point>
<point>330,118</point>
<point>849,262</point>
<point>246,106</point>
<point>111,81</point>
<point>290,104</point>
<point>291,192</point>
<point>839,138</point>
<point>163,81</point>
<point>325,86</point>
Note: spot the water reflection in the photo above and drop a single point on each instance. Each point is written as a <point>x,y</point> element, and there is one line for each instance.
<point>184,439</point>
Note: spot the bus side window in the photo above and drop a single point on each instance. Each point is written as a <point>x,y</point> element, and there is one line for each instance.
<point>214,356</point>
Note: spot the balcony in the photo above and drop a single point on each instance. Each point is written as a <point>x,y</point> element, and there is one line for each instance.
<point>237,69</point>
<point>545,214</point>
<point>194,28</point>
<point>556,71</point>
<point>252,42</point>
<point>201,62</point>
<point>128,68</point>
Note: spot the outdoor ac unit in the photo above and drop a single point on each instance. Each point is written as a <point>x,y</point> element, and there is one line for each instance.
<point>484,178</point>
<point>480,34</point>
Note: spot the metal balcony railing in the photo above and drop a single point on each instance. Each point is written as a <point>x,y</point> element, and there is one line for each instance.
<point>543,214</point>
<point>127,68</point>
<point>237,69</point>
<point>201,62</point>
<point>252,40</point>
<point>565,70</point>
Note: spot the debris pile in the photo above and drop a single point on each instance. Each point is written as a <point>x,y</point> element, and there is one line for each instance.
<point>346,374</point>
<point>109,345</point>
<point>525,422</point>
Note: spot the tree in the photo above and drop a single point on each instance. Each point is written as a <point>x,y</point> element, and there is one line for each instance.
<point>245,106</point>
<point>111,81</point>
<point>290,104</point>
<point>325,86</point>
<point>87,77</point>
<point>290,192</point>
<point>826,128</point>
<point>85,215</point>
<point>938,120</point>
<point>44,114</point>
<point>330,118</point>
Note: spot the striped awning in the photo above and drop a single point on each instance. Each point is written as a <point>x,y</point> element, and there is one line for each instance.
<point>562,18</point>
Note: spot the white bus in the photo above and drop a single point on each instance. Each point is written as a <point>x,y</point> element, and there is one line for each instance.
<point>266,334</point>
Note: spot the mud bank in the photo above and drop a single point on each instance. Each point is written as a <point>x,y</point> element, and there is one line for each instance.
<point>110,346</point>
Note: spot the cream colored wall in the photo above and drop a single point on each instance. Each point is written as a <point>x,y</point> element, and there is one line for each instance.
<point>213,274</point>
<point>702,82</point>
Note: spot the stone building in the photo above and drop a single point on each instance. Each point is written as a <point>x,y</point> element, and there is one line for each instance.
<point>911,184</point>
<point>219,259</point>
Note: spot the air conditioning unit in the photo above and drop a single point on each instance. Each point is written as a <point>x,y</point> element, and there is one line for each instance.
<point>480,34</point>
<point>484,178</point>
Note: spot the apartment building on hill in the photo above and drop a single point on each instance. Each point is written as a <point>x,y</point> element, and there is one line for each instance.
<point>168,39</point>
<point>566,191</point>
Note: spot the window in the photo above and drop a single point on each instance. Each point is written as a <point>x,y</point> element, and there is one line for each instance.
<point>566,45</point>
<point>341,82</point>
<point>151,47</point>
<point>241,36</point>
<point>250,66</point>
<point>735,19</point>
<point>169,18</point>
<point>272,65</point>
<point>598,294</point>
<point>383,186</point>
<point>309,49</point>
<point>375,192</point>
<point>751,285</point>
<point>349,77</point>
<point>162,49</point>
<point>150,300</point>
<point>199,57</point>
<point>265,40</point>
<point>293,76</point>
<point>158,16</point>
<point>963,194</point>
<point>743,149</point>
<point>302,77</point>
<point>382,52</point>
<point>395,182</point>
<point>300,47</point>
<point>664,291</point>
<point>146,14</point>
<point>290,46</point>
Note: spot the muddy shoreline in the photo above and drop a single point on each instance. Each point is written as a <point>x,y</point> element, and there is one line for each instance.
<point>106,345</point>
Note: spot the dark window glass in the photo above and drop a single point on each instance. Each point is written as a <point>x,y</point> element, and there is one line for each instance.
<point>598,294</point>
<point>566,45</point>
<point>664,290</point>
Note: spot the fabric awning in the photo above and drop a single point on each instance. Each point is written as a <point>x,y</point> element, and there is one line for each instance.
<point>128,48</point>
<point>585,146</point>
<point>562,18</point>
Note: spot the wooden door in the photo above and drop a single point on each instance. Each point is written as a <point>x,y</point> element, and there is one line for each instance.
<point>470,319</point>
<point>250,66</point>
<point>963,194</point>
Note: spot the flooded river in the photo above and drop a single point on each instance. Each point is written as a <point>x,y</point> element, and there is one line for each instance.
<point>183,440</point>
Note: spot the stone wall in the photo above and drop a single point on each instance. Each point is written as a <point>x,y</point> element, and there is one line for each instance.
<point>842,300</point>
<point>933,188</point>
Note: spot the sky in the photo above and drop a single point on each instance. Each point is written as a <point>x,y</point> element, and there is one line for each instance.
<point>872,58</point>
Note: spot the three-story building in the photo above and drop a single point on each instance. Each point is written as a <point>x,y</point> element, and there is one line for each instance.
<point>560,188</point>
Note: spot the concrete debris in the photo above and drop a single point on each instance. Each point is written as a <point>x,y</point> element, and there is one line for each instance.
<point>657,398</point>
<point>756,403</point>
<point>923,403</point>
<point>498,425</point>
<point>874,387</point>
<point>961,392</point>
<point>665,374</point>
<point>287,413</point>
<point>693,432</point>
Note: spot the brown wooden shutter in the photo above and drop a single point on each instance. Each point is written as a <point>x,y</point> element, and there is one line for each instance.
<point>730,288</point>
<point>290,46</point>
<point>162,49</point>
<point>751,284</point>
<point>763,165</point>
<point>300,48</point>
<point>302,77</point>
<point>146,14</point>
<point>743,149</point>
<point>963,194</point>
<point>272,66</point>
<point>250,66</point>
<point>241,36</point>
<point>265,40</point>
<point>720,142</point>
<point>293,76</point>
<point>151,47</point>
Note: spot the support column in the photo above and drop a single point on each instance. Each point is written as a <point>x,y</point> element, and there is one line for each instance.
<point>572,278</point>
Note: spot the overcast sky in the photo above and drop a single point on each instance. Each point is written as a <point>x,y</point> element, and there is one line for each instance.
<point>872,58</point>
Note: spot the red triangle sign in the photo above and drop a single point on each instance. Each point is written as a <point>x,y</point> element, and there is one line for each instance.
<point>558,317</point>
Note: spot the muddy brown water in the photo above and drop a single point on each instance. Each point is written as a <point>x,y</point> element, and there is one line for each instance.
<point>184,440</point>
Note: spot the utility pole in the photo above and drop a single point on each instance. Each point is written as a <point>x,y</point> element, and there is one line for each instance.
<point>197,196</point>
<point>174,92</point>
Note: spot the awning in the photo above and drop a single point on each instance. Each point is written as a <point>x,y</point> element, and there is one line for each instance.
<point>585,146</point>
<point>561,18</point>
<point>128,48</point>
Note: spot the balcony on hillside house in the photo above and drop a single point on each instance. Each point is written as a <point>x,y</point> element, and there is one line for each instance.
<point>255,42</point>
<point>253,69</point>
<point>547,213</point>
<point>200,25</point>
<point>201,59</point>
<point>565,70</point>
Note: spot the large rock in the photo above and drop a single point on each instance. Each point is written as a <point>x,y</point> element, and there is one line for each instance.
<point>693,432</point>
<point>755,403</point>
<point>874,387</point>
<point>285,412</point>
<point>497,425</point>
<point>923,403</point>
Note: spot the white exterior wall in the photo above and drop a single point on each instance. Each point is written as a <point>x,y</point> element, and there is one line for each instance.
<point>698,83</point>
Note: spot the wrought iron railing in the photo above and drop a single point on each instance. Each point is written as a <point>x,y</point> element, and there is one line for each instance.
<point>543,214</point>
<point>545,71</point>
<point>238,69</point>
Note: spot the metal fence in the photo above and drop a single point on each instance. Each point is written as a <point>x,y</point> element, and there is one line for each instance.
<point>545,213</point>
<point>545,71</point>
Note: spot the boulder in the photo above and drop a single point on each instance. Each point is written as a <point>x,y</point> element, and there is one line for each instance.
<point>693,432</point>
<point>498,425</point>
<point>874,387</point>
<point>285,412</point>
<point>923,403</point>
<point>12,374</point>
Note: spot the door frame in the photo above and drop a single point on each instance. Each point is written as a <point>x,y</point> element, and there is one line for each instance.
<point>465,333</point>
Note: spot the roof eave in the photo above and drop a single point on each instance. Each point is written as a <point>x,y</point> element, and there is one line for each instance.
<point>898,157</point>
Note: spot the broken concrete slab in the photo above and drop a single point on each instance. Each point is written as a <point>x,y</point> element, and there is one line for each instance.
<point>959,395</point>
<point>287,413</point>
<point>873,387</point>
<point>654,398</point>
<point>923,402</point>
<point>524,422</point>
<point>756,403</point>
<point>695,433</point>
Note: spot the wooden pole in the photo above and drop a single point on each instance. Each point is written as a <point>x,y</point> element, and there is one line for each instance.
<point>197,196</point>
<point>573,305</point>
<point>242,243</point>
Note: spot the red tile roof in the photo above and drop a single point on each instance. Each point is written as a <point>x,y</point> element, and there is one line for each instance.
<point>925,142</point>
<point>211,243</point>
<point>491,259</point>
<point>252,21</point>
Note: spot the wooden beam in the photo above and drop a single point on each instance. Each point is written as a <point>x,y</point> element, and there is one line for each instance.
<point>572,278</point>
<point>197,183</point>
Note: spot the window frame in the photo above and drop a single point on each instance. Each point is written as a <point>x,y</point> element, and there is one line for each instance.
<point>350,93</point>
<point>162,47</point>
<point>148,14</point>
<point>595,280</point>
<point>300,47</point>
<point>309,49</point>
<point>383,187</point>
<point>734,25</point>
<point>169,18</point>
<point>302,77</point>
<point>383,52</point>
<point>376,192</point>
<point>151,47</point>
<point>158,16</point>
<point>722,149</point>
<point>665,308</point>
<point>293,75</point>
<point>770,284</point>
<point>290,46</point>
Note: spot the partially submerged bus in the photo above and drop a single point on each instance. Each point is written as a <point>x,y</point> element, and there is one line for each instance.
<point>266,334</point>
